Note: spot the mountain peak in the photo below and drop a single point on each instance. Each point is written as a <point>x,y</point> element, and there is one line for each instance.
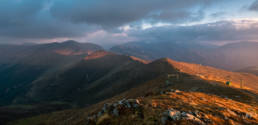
<point>70,42</point>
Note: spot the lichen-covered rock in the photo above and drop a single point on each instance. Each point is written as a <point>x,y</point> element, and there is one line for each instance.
<point>115,112</point>
<point>163,120</point>
<point>176,115</point>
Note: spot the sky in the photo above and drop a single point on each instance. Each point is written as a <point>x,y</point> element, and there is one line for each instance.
<point>113,22</point>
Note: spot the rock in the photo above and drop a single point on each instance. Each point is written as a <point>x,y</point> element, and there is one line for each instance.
<point>193,118</point>
<point>135,105</point>
<point>184,114</point>
<point>121,102</point>
<point>248,116</point>
<point>194,89</point>
<point>127,104</point>
<point>105,108</point>
<point>115,104</point>
<point>177,91</point>
<point>115,112</point>
<point>99,113</point>
<point>174,114</point>
<point>172,90</point>
<point>164,120</point>
<point>231,112</point>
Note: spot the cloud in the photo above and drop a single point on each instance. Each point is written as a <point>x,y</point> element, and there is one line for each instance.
<point>43,20</point>
<point>229,31</point>
<point>254,6</point>
<point>113,13</point>
<point>31,19</point>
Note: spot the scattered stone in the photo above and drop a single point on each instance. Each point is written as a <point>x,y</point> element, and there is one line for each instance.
<point>231,112</point>
<point>105,107</point>
<point>115,112</point>
<point>176,115</point>
<point>248,116</point>
<point>99,113</point>
<point>172,90</point>
<point>162,92</point>
<point>164,120</point>
<point>115,104</point>
<point>194,89</point>
<point>177,91</point>
<point>121,102</point>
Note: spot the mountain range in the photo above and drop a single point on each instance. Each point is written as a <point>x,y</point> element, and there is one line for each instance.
<point>232,57</point>
<point>252,69</point>
<point>57,76</point>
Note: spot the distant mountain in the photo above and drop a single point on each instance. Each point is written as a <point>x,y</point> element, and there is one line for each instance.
<point>155,50</point>
<point>234,56</point>
<point>230,57</point>
<point>252,69</point>
<point>20,65</point>
<point>102,75</point>
<point>45,53</point>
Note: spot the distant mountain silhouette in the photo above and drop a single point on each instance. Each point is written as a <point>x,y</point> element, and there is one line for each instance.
<point>252,69</point>
<point>20,65</point>
<point>230,57</point>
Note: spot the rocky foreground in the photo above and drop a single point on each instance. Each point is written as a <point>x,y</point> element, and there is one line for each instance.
<point>175,107</point>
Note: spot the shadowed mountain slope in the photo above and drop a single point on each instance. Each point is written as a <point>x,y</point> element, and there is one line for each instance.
<point>20,65</point>
<point>165,100</point>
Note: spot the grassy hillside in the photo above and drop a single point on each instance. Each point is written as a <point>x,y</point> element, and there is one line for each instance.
<point>207,101</point>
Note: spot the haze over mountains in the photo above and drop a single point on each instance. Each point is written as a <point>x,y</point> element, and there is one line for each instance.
<point>32,70</point>
<point>138,62</point>
<point>232,57</point>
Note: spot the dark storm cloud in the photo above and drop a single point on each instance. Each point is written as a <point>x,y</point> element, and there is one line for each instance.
<point>72,18</point>
<point>52,19</point>
<point>112,13</point>
<point>31,19</point>
<point>212,32</point>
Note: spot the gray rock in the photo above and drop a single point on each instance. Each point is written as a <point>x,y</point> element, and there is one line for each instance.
<point>174,114</point>
<point>164,120</point>
<point>248,116</point>
<point>99,113</point>
<point>172,90</point>
<point>115,104</point>
<point>135,105</point>
<point>105,108</point>
<point>162,92</point>
<point>193,118</point>
<point>177,91</point>
<point>115,112</point>
<point>231,112</point>
<point>128,105</point>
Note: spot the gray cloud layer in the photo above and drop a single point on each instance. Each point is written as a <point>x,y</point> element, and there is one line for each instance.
<point>72,18</point>
<point>212,32</point>
<point>53,19</point>
<point>112,13</point>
